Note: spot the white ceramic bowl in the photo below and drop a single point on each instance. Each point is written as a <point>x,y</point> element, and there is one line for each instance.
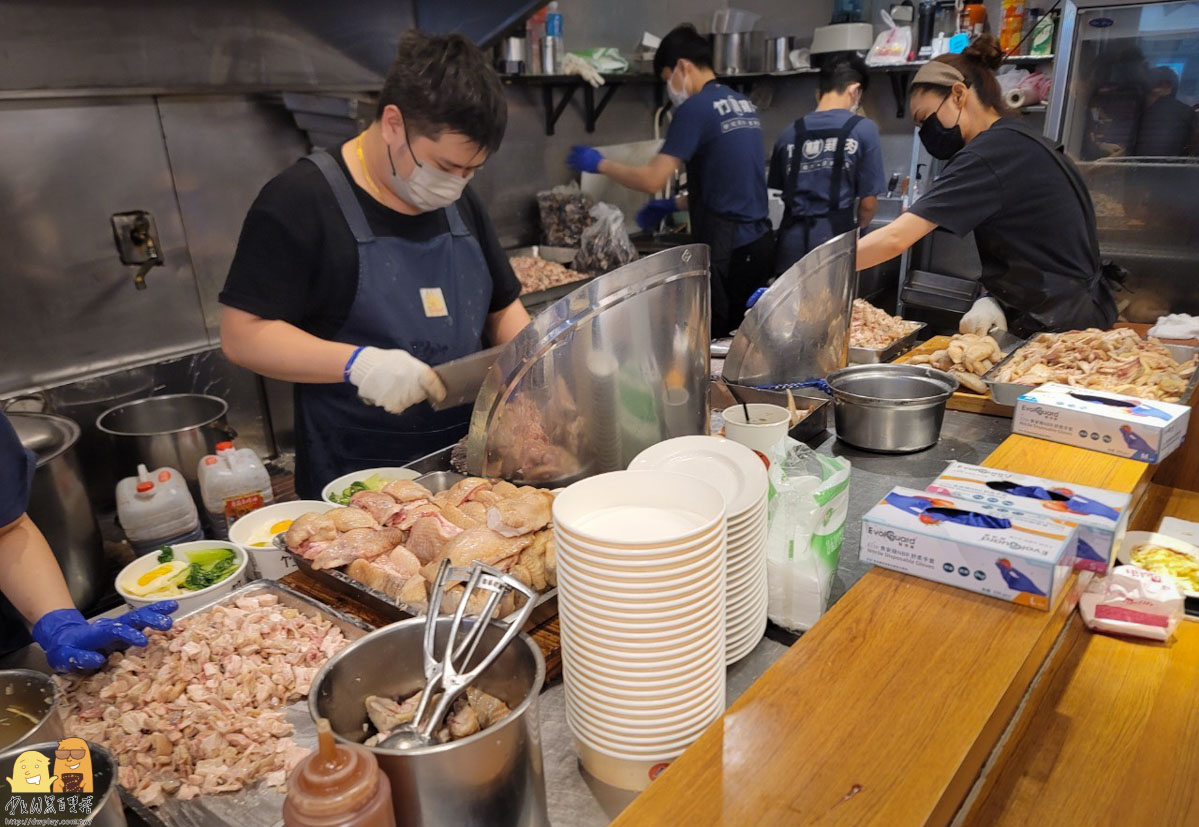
<point>603,625</point>
<point>713,553</point>
<point>617,744</point>
<point>645,607</point>
<point>648,727</point>
<point>268,561</point>
<point>767,425</point>
<point>690,668</point>
<point>697,654</point>
<point>646,703</point>
<point>644,737</point>
<point>629,594</point>
<point>645,551</point>
<point>345,480</point>
<point>190,600</point>
<point>642,658</point>
<point>638,489</point>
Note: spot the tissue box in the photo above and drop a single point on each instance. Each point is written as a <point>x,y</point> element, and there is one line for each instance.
<point>1101,516</point>
<point>1142,429</point>
<point>993,550</point>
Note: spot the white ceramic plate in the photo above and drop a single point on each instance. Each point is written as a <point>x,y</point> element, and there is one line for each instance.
<point>343,482</point>
<point>734,469</point>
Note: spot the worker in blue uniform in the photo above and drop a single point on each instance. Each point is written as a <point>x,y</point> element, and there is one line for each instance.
<point>828,164</point>
<point>34,590</point>
<point>717,135</point>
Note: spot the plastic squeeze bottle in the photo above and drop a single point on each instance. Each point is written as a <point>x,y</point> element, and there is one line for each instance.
<point>339,785</point>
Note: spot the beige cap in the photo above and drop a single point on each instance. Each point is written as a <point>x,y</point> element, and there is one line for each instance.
<point>938,73</point>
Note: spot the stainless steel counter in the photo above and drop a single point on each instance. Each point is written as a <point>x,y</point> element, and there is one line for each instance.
<point>578,800</point>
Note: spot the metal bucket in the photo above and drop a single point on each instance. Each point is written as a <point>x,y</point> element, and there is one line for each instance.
<point>890,409</point>
<point>59,505</point>
<point>731,52</point>
<point>107,810</point>
<point>175,431</point>
<point>777,54</point>
<point>34,693</point>
<point>494,777</point>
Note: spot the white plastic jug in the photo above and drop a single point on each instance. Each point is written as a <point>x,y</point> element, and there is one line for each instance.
<point>155,508</point>
<point>233,482</point>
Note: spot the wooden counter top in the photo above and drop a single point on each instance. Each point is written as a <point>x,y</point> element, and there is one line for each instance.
<point>885,712</point>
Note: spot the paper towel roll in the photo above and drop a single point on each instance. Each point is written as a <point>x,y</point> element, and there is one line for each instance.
<point>1021,97</point>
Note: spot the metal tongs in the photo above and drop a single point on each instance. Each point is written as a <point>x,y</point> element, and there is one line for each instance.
<point>450,673</point>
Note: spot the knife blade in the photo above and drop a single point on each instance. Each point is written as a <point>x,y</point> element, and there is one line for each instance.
<point>463,377</point>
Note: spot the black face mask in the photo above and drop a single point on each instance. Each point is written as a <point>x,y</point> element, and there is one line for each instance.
<point>942,142</point>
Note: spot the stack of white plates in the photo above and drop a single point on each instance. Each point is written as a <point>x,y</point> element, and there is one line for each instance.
<point>641,587</point>
<point>739,475</point>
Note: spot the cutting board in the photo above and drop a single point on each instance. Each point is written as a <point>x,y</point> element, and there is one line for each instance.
<point>962,400</point>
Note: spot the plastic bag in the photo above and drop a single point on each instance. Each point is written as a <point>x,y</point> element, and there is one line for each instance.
<point>892,46</point>
<point>565,214</point>
<point>807,527</point>
<point>606,244</point>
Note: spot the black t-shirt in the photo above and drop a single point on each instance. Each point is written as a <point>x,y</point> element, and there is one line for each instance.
<point>297,260</point>
<point>1029,223</point>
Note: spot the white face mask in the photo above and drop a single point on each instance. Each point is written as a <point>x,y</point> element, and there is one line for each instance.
<point>676,97</point>
<point>426,188</point>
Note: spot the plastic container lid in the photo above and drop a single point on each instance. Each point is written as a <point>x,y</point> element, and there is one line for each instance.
<point>143,487</point>
<point>224,446</point>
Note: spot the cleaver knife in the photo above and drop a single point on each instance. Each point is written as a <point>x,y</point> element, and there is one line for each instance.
<point>463,377</point>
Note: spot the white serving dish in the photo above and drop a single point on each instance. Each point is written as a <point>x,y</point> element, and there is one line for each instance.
<point>192,600</point>
<point>269,562</point>
<point>345,480</point>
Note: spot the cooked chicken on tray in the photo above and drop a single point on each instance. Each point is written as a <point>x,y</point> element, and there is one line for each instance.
<point>473,712</point>
<point>201,708</point>
<point>1119,361</point>
<point>967,357</point>
<point>875,329</point>
<point>536,274</point>
<point>394,540</point>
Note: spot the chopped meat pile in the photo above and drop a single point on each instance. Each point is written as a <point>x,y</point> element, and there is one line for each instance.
<point>201,708</point>
<point>472,712</point>
<point>540,435</point>
<point>875,329</point>
<point>394,540</point>
<point>537,274</point>
<point>967,357</point>
<point>1119,361</point>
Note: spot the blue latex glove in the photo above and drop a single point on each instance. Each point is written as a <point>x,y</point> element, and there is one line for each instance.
<point>73,644</point>
<point>1059,501</point>
<point>654,213</point>
<point>1016,579</point>
<point>1134,441</point>
<point>584,159</point>
<point>939,514</point>
<point>1084,505</point>
<point>1134,408</point>
<point>754,296</point>
<point>1087,553</point>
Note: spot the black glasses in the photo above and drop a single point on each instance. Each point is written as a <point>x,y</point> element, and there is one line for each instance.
<point>70,754</point>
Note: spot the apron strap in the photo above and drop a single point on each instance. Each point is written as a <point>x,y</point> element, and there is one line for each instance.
<point>834,189</point>
<point>454,218</point>
<point>344,194</point>
<point>801,135</point>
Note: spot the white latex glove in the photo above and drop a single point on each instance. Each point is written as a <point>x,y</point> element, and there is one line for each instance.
<point>395,380</point>
<point>982,317</point>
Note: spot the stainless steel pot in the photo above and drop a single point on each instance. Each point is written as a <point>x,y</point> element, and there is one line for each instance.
<point>34,693</point>
<point>59,505</point>
<point>777,54</point>
<point>494,777</point>
<point>175,430</point>
<point>731,52</point>
<point>107,810</point>
<point>891,409</point>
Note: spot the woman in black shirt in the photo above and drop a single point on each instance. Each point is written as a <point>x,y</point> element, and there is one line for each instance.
<point>1025,201</point>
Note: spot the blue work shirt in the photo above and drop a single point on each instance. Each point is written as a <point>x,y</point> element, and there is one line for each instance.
<point>716,132</point>
<point>17,465</point>
<point>863,175</point>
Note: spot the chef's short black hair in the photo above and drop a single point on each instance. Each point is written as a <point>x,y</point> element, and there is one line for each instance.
<point>444,83</point>
<point>682,43</point>
<point>1163,76</point>
<point>839,70</point>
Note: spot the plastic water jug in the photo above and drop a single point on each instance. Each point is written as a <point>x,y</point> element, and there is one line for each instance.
<point>233,482</point>
<point>155,509</point>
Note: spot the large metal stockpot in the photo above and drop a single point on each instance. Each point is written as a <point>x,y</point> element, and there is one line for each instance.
<point>175,430</point>
<point>892,409</point>
<point>59,505</point>
<point>492,778</point>
<point>36,694</point>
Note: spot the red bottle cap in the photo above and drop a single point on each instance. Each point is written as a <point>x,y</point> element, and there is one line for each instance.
<point>143,487</point>
<point>164,476</point>
<point>224,446</point>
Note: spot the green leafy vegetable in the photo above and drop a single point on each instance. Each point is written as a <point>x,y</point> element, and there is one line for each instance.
<point>166,554</point>
<point>208,567</point>
<point>372,483</point>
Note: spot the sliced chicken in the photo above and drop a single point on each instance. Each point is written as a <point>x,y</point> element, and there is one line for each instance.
<point>484,545</point>
<point>487,498</point>
<point>376,503</point>
<point>407,516</point>
<point>460,518</point>
<point>387,714</point>
<point>489,709</point>
<point>348,519</point>
<point>524,513</point>
<point>406,491</point>
<point>415,594</point>
<point>464,490</point>
<point>358,543</point>
<point>429,536</point>
<point>462,720</point>
<point>388,573</point>
<point>476,512</point>
<point>311,527</point>
<point>551,562</point>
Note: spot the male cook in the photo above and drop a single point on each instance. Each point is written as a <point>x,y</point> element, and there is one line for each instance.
<point>717,135</point>
<point>359,269</point>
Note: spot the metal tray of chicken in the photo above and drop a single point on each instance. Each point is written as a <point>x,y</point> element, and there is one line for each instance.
<point>873,356</point>
<point>1006,393</point>
<point>260,805</point>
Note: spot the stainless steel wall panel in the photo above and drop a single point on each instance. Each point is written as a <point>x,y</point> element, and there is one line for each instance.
<point>70,305</point>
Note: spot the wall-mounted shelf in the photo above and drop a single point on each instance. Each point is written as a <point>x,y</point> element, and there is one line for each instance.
<point>901,75</point>
<point>593,104</point>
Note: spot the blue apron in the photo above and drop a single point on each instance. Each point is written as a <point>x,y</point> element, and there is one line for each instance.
<point>800,234</point>
<point>336,432</point>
